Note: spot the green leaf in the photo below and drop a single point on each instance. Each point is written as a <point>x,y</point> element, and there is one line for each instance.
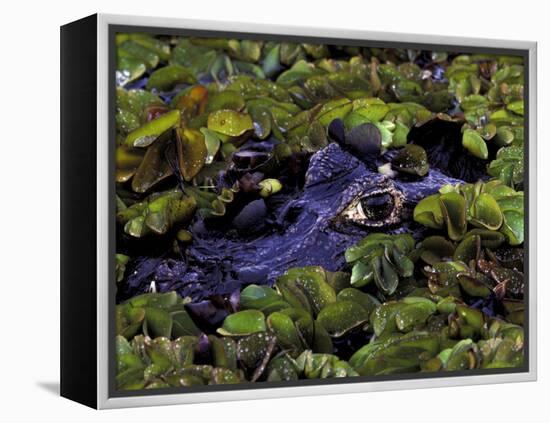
<point>230,122</point>
<point>243,323</point>
<point>146,134</point>
<point>167,77</point>
<point>472,141</point>
<point>159,322</point>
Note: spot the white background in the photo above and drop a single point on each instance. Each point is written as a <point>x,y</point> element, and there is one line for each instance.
<point>29,235</point>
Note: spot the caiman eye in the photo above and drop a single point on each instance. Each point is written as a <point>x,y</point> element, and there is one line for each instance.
<point>376,208</point>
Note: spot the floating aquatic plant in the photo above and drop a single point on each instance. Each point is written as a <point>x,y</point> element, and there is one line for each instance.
<point>381,258</point>
<point>233,162</point>
<point>492,205</point>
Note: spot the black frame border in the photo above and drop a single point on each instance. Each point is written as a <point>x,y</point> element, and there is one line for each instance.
<point>78,211</point>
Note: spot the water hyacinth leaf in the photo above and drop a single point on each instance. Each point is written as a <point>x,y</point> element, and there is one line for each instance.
<point>157,218</point>
<point>281,368</point>
<point>468,249</point>
<point>361,274</point>
<point>167,77</point>
<point>158,322</point>
<point>382,258</point>
<point>474,287</point>
<point>146,134</point>
<point>335,109</point>
<point>269,187</point>
<point>516,107</point>
<point>322,342</point>
<point>183,325</point>
<point>191,101</point>
<point>366,244</point>
<point>395,354</point>
<point>299,71</point>
<point>243,323</point>
<point>462,356</point>
<point>157,300</point>
<point>367,301</point>
<point>400,133</point>
<point>338,280</point>
<point>161,48</point>
<point>262,121</point>
<point>447,305</point>
<point>248,68</point>
<point>154,167</point>
<point>488,131</point>
<point>271,64</point>
<point>435,249</point>
<point>253,349</point>
<point>181,209</point>
<point>192,152</point>
<point>126,121</point>
<point>474,101</point>
<point>486,212</point>
<point>228,100</point>
<point>508,166</point>
<point>130,379</point>
<point>128,320</point>
<point>136,101</point>
<point>373,112</point>
<point>383,318</point>
<point>507,198</point>
<point>261,298</point>
<point>304,323</point>
<point>314,285</point>
<point>121,262</point>
<point>453,208</point>
<point>488,239</point>
<point>513,227</point>
<point>250,51</point>
<point>411,159</point>
<point>292,294</point>
<point>354,119</point>
<point>428,212</point>
<point>129,69</point>
<point>401,261</point>
<point>212,142</point>
<point>504,136</point>
<point>224,352</point>
<point>414,312</point>
<point>159,214</point>
<point>230,122</point>
<point>385,276</point>
<point>475,144</point>
<point>306,288</point>
<point>386,135</point>
<point>127,161</point>
<point>316,138</point>
<point>341,316</point>
<point>196,58</point>
<point>132,49</point>
<point>284,330</point>
<point>122,346</point>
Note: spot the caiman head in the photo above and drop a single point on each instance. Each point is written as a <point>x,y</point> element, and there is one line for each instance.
<point>342,201</point>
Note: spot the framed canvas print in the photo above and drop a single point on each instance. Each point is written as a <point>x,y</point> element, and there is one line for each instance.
<point>254,211</point>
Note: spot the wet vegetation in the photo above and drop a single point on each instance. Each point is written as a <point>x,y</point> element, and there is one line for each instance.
<point>293,211</point>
